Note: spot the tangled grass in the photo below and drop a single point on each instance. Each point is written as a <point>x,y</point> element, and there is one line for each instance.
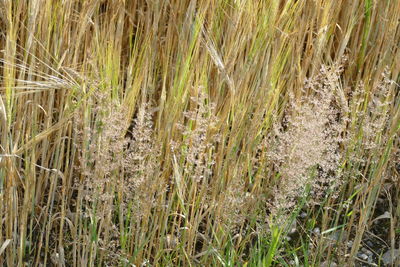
<point>199,133</point>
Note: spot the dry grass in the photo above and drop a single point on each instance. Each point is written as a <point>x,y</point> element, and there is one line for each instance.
<point>210,133</point>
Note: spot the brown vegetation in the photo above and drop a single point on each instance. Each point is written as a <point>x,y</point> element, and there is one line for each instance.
<point>210,133</point>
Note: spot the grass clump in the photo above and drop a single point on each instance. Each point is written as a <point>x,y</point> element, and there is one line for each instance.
<point>189,133</point>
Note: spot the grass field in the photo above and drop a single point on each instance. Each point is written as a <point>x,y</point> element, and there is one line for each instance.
<point>200,133</point>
